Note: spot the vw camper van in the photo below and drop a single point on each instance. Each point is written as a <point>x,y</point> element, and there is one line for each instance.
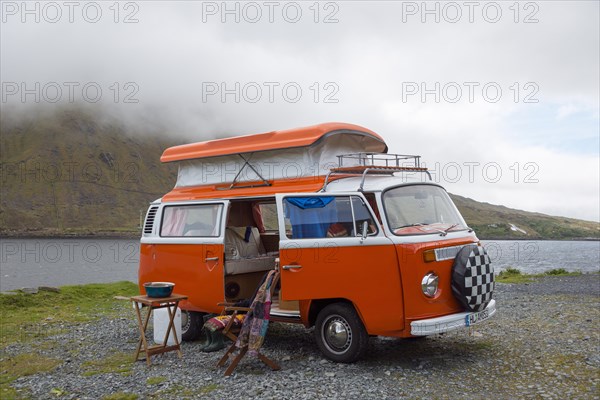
<point>365,242</point>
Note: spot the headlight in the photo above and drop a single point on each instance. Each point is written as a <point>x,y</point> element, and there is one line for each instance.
<point>429,284</point>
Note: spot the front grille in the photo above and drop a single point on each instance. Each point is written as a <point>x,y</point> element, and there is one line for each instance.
<point>150,219</point>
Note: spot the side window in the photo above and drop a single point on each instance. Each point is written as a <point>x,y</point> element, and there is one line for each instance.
<point>362,215</point>
<point>191,220</point>
<point>268,212</point>
<point>326,216</point>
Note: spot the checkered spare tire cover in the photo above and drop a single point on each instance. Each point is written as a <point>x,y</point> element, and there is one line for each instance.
<point>473,277</point>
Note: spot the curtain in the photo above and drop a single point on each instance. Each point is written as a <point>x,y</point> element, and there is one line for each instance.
<point>257,215</point>
<point>175,218</point>
<point>310,216</point>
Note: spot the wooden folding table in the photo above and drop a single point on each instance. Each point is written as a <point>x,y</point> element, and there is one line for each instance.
<point>170,303</point>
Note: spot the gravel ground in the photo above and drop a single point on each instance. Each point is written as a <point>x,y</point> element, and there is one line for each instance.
<point>543,343</point>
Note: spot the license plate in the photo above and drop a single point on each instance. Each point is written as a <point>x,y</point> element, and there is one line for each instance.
<point>477,317</point>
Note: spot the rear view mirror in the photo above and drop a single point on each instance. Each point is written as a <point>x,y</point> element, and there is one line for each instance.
<point>421,195</point>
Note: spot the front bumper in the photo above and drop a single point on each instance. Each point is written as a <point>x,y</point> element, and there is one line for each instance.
<point>447,323</point>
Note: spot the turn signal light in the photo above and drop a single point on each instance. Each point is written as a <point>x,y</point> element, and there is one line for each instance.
<point>429,256</point>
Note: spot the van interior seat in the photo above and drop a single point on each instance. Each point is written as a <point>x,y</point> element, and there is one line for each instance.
<point>243,256</point>
<point>243,242</point>
<point>244,250</point>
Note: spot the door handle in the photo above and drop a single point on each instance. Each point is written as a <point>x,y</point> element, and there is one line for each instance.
<point>288,267</point>
<point>211,259</point>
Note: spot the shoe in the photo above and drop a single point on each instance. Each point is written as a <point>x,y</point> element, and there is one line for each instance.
<point>215,342</point>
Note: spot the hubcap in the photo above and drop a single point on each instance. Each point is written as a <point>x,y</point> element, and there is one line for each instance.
<point>337,334</point>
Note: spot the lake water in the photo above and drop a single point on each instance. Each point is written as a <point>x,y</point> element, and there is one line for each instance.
<point>538,256</point>
<point>58,262</point>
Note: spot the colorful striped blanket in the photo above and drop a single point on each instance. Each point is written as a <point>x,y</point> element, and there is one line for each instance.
<point>254,328</point>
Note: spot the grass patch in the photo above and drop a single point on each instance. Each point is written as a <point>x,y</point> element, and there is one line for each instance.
<point>208,388</point>
<point>155,380</point>
<point>513,275</point>
<point>32,316</point>
<point>120,363</point>
<point>58,392</point>
<point>24,364</point>
<point>561,272</point>
<point>121,396</point>
<point>482,345</point>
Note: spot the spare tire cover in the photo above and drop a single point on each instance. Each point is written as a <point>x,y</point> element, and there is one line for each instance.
<point>473,277</point>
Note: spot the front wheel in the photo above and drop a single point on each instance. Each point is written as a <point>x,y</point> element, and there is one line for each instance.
<point>191,325</point>
<point>340,334</point>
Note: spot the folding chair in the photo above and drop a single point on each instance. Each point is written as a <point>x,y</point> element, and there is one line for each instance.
<point>250,337</point>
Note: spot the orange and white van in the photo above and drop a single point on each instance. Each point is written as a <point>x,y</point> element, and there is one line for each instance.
<point>367,243</point>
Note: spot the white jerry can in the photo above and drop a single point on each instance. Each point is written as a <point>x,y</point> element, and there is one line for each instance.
<point>161,322</point>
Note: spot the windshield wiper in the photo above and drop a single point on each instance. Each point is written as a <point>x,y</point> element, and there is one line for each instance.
<point>450,228</point>
<point>444,232</point>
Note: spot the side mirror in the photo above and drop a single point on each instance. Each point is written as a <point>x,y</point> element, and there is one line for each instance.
<point>364,230</point>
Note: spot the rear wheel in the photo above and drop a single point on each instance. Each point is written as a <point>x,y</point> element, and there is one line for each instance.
<point>191,325</point>
<point>340,334</point>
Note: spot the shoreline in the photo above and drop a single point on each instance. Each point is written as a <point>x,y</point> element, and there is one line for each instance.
<point>99,235</point>
<point>137,235</point>
<point>531,278</point>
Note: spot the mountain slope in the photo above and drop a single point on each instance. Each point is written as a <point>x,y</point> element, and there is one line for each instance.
<point>499,222</point>
<point>70,172</point>
<point>75,172</point>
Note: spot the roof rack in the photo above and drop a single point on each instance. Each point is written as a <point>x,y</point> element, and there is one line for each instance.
<point>375,164</point>
<point>378,159</point>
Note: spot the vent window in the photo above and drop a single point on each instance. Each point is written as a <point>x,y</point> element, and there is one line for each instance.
<point>150,219</point>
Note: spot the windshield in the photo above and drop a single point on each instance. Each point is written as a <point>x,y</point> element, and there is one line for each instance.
<point>421,210</point>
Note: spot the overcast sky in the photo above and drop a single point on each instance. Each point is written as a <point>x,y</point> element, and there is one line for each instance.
<point>500,98</point>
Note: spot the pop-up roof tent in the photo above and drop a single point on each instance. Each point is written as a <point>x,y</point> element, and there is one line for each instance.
<point>263,158</point>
